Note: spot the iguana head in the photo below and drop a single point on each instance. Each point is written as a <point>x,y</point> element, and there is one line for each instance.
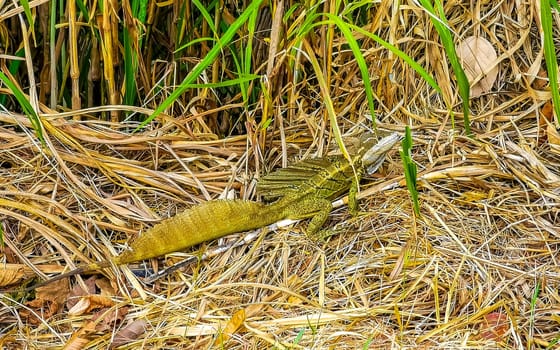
<point>373,153</point>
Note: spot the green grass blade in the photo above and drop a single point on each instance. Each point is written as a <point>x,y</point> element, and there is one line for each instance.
<point>410,170</point>
<point>13,68</point>
<point>553,342</point>
<point>299,336</point>
<point>205,15</point>
<point>290,12</point>
<point>52,60</point>
<point>207,61</point>
<point>25,106</point>
<point>192,42</point>
<point>407,59</point>
<point>243,79</point>
<point>533,304</point>
<point>347,29</point>
<point>367,344</point>
<point>355,47</point>
<point>140,10</point>
<point>299,41</point>
<point>28,15</point>
<point>130,68</point>
<point>440,24</point>
<point>354,5</point>
<point>325,94</point>
<point>83,10</point>
<point>550,56</point>
<point>299,32</point>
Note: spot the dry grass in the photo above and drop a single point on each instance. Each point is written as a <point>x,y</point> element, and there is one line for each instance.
<point>478,269</point>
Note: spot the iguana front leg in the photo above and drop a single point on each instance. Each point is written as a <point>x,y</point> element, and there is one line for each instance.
<point>316,208</point>
<point>353,192</point>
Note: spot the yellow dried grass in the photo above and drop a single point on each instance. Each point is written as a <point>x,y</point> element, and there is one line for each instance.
<point>487,237</point>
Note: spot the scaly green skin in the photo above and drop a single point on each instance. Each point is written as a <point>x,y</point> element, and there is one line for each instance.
<point>313,198</point>
<point>331,177</point>
<point>304,190</point>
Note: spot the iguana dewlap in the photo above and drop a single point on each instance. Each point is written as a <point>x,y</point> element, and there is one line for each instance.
<point>303,190</point>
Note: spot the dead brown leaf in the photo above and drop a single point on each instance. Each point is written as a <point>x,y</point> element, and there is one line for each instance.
<point>129,333</point>
<point>90,302</point>
<point>56,291</point>
<point>49,301</point>
<point>12,274</point>
<point>541,81</point>
<point>232,326</point>
<point>494,326</point>
<point>105,287</point>
<point>553,138</point>
<point>102,321</point>
<point>478,58</point>
<point>78,291</point>
<point>107,318</point>
<point>81,338</point>
<point>547,113</point>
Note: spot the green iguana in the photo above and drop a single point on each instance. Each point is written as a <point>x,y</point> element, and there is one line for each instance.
<point>303,190</point>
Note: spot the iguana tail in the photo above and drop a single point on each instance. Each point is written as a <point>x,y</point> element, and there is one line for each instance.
<point>203,222</point>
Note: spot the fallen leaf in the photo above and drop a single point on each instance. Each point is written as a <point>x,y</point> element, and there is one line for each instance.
<point>77,292</point>
<point>48,301</point>
<point>553,138</point>
<point>12,274</point>
<point>55,291</point>
<point>10,256</point>
<point>101,322</point>
<point>129,333</point>
<point>547,112</point>
<point>38,310</point>
<point>478,58</point>
<point>545,118</point>
<point>541,81</point>
<point>90,302</point>
<point>82,337</point>
<point>494,326</point>
<point>232,326</point>
<point>107,319</point>
<point>105,287</point>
